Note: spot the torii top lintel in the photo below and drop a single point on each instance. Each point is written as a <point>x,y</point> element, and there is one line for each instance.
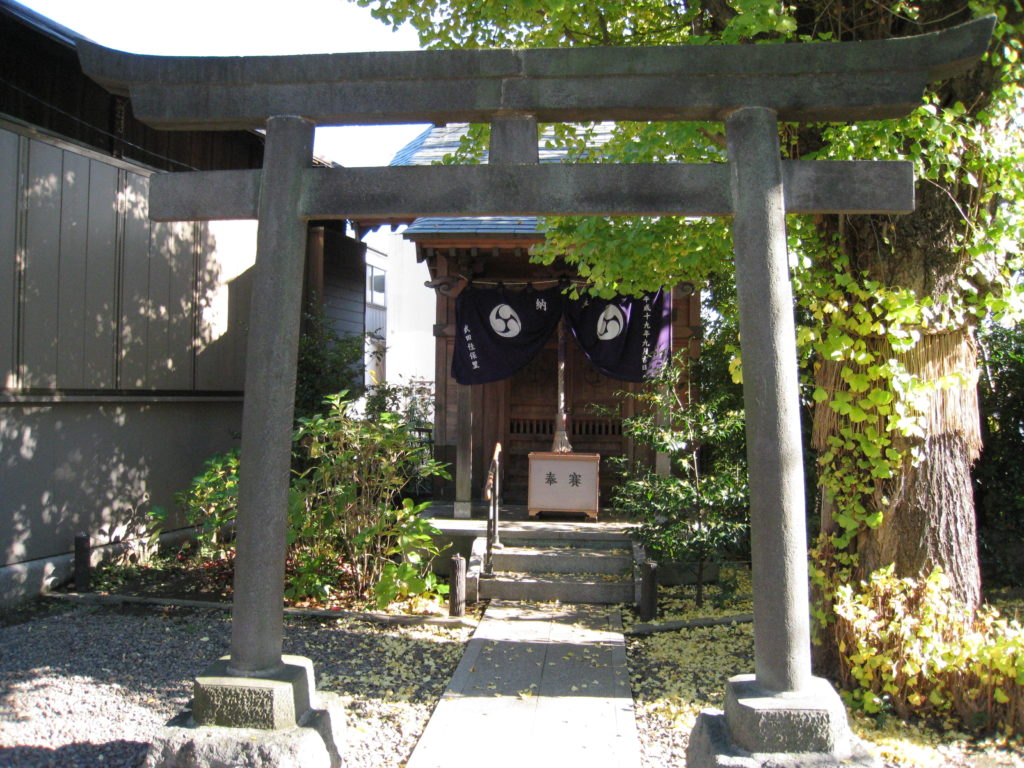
<point>800,82</point>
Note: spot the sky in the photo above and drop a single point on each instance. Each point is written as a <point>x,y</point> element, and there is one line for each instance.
<point>249,27</point>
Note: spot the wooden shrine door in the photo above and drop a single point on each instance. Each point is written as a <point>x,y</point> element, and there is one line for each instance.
<point>531,400</point>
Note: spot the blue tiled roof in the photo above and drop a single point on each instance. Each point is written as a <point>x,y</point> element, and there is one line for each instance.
<point>434,144</point>
<point>475,225</point>
<point>430,146</point>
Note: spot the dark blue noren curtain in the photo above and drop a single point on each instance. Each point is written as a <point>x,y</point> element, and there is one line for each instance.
<point>627,338</point>
<point>498,331</point>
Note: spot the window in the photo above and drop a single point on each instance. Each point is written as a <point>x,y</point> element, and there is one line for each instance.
<point>376,286</point>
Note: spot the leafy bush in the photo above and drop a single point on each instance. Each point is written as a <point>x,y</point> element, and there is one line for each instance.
<point>906,645</point>
<point>698,513</point>
<point>414,401</point>
<point>355,472</point>
<point>346,522</point>
<point>327,364</point>
<point>210,504</point>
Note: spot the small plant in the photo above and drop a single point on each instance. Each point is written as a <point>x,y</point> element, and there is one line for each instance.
<point>210,504</point>
<point>412,545</point>
<point>907,646</point>
<point>698,513</point>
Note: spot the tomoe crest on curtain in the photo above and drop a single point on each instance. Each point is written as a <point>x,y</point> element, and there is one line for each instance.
<point>499,331</point>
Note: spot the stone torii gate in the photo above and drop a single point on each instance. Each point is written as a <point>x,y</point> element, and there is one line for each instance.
<point>781,708</point>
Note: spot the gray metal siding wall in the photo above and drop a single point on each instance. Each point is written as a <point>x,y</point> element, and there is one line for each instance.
<point>111,398</point>
<point>9,144</point>
<point>95,296</point>
<point>98,467</point>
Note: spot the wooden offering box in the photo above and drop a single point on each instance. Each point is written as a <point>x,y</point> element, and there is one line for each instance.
<point>564,482</point>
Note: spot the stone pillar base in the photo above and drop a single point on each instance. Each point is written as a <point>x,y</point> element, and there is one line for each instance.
<point>280,700</point>
<point>758,729</point>
<point>463,510</point>
<point>317,742</point>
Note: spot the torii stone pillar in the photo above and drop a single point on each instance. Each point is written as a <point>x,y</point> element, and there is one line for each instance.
<point>257,687</point>
<point>267,415</point>
<point>781,708</point>
<point>782,639</point>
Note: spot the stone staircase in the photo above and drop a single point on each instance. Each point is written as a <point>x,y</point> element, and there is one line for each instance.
<point>567,566</point>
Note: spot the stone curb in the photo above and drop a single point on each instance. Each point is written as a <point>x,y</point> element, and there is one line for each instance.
<point>674,626</point>
<point>375,618</point>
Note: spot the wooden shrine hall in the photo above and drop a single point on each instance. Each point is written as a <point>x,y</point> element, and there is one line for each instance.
<point>519,412</point>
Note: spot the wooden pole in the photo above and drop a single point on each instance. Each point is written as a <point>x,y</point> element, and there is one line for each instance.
<point>464,452</point>
<point>561,442</point>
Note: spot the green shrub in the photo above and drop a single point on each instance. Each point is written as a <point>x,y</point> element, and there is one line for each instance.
<point>413,401</point>
<point>698,513</point>
<point>905,645</point>
<point>999,473</point>
<point>210,504</point>
<point>349,491</point>
<point>347,523</point>
<point>327,364</point>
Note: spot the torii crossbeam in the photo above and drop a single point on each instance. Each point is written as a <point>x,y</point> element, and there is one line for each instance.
<point>782,708</point>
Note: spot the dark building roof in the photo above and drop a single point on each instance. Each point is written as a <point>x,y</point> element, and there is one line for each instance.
<point>42,86</point>
<point>40,23</point>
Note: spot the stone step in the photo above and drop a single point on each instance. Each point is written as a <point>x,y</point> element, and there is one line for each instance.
<point>553,537</point>
<point>549,558</point>
<point>563,587</point>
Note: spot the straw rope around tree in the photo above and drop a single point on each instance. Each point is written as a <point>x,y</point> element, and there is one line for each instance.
<point>938,388</point>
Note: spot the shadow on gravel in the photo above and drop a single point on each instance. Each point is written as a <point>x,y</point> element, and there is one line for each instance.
<point>112,754</point>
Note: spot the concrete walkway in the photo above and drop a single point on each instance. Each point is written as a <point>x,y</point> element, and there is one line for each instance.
<point>540,684</point>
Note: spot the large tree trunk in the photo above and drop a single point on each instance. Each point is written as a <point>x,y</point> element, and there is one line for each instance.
<point>930,522</point>
<point>928,507</point>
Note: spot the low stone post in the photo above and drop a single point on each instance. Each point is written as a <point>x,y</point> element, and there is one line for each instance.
<point>648,606</point>
<point>457,587</point>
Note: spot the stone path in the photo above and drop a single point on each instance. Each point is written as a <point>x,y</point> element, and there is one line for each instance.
<point>540,684</point>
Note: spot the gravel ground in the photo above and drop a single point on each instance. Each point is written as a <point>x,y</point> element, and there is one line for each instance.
<point>89,687</point>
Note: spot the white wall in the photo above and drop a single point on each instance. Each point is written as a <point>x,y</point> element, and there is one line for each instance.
<point>410,336</point>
